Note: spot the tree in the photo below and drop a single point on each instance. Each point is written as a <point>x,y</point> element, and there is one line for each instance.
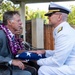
<point>7,5</point>
<point>31,14</point>
<point>71,17</point>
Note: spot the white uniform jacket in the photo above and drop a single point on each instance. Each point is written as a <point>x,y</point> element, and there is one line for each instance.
<point>64,52</point>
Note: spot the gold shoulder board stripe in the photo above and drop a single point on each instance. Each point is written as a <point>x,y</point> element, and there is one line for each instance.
<point>60,29</point>
<point>50,11</point>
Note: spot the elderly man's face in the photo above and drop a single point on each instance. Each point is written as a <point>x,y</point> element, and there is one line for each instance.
<point>16,23</point>
<point>19,32</point>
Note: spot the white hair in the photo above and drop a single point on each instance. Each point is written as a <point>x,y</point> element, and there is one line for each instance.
<point>64,16</point>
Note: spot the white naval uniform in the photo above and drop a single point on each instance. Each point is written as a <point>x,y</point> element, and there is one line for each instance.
<point>60,61</point>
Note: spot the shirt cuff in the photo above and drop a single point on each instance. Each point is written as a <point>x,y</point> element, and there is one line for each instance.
<point>10,62</point>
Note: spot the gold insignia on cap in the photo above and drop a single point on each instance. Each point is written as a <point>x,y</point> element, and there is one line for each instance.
<point>60,29</point>
<point>50,11</point>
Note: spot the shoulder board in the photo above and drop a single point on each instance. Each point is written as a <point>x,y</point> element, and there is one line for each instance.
<point>60,29</point>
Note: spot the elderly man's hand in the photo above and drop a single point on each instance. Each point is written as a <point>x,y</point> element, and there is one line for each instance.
<point>18,63</point>
<point>20,51</point>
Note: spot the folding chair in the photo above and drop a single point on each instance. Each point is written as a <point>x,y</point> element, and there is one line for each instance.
<point>4,66</point>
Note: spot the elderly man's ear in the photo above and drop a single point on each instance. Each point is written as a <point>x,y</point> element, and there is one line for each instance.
<point>9,22</point>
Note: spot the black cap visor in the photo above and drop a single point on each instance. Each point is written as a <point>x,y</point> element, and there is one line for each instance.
<point>49,14</point>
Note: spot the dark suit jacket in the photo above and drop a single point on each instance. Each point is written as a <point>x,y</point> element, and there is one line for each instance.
<point>5,52</point>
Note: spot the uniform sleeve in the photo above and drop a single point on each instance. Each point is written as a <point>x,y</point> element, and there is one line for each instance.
<point>49,53</point>
<point>63,47</point>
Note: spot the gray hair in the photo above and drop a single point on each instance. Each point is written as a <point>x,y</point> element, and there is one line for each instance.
<point>9,16</point>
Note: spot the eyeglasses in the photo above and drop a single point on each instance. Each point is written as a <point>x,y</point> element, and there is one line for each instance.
<point>51,14</point>
<point>55,13</point>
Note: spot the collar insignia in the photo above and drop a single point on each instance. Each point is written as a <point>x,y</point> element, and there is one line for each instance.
<point>60,28</point>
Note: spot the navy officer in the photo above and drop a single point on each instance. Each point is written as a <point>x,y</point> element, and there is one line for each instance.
<point>61,60</point>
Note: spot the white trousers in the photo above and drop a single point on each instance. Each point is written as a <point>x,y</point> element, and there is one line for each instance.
<point>63,70</point>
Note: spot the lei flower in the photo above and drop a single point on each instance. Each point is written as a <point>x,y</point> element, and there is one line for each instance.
<point>15,44</point>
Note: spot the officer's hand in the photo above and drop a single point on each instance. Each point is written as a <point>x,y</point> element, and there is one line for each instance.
<point>38,51</point>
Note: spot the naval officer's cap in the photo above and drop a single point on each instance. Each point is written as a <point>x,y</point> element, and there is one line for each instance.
<point>53,7</point>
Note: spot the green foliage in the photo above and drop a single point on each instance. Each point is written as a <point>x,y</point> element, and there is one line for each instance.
<point>6,6</point>
<point>71,17</point>
<point>31,14</point>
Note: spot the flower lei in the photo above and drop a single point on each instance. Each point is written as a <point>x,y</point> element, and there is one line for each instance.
<point>15,44</point>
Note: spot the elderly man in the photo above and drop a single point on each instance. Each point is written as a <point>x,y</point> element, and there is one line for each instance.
<point>61,60</point>
<point>10,46</point>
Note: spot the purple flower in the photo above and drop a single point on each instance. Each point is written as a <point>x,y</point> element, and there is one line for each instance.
<point>15,43</point>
